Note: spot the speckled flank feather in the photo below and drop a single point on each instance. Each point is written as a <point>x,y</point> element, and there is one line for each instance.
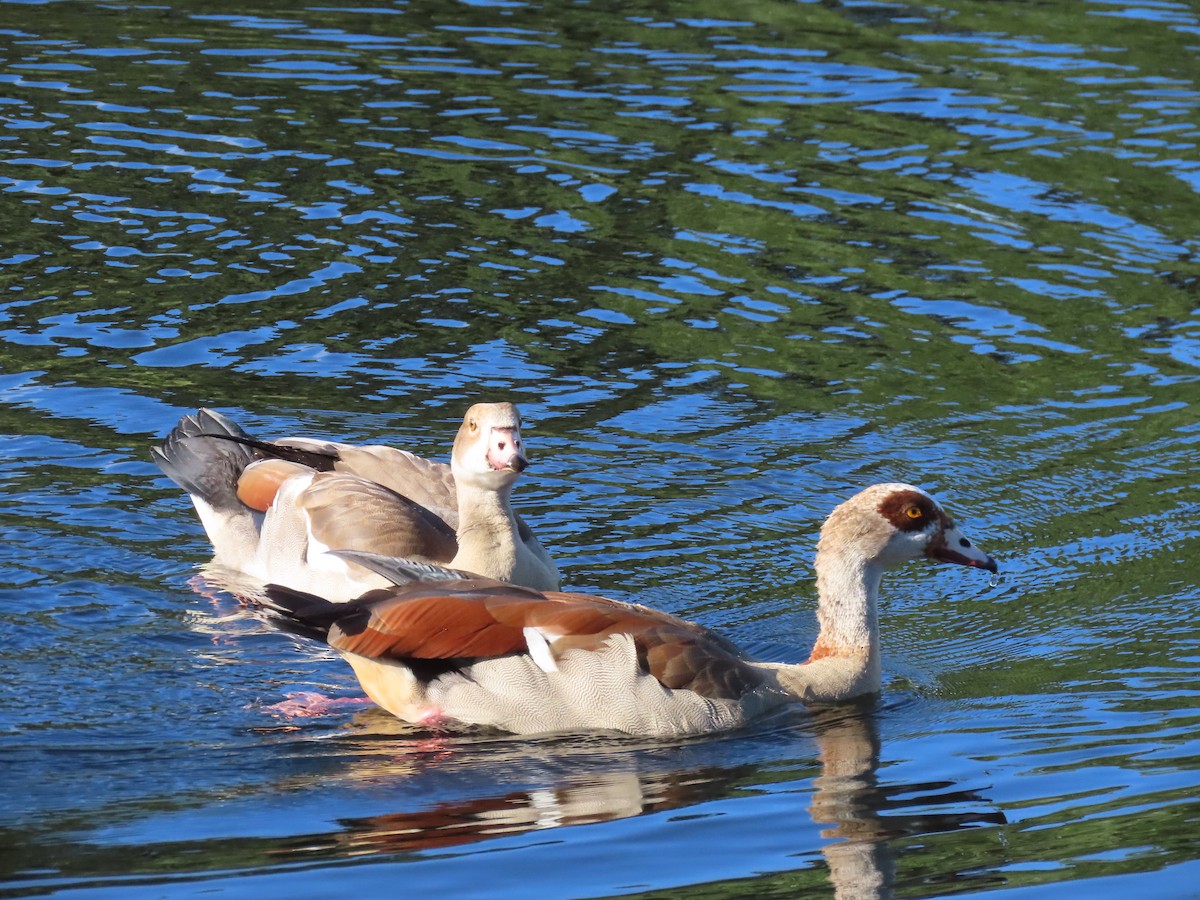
<point>512,693</point>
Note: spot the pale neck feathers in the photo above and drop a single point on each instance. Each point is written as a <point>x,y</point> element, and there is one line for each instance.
<point>487,532</point>
<point>845,659</point>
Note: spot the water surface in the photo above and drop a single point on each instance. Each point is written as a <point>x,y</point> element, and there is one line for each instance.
<point>734,262</point>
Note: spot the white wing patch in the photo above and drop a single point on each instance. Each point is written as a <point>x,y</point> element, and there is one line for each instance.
<point>321,560</point>
<point>539,649</point>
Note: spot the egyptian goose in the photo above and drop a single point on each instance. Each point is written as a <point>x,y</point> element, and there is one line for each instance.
<point>442,647</point>
<point>272,509</point>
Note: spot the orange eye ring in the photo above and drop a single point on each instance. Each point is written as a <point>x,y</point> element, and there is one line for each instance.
<point>914,512</point>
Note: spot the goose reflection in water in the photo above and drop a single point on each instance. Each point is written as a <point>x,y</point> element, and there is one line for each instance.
<point>586,781</point>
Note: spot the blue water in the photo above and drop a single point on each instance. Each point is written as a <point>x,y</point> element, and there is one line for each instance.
<point>734,262</point>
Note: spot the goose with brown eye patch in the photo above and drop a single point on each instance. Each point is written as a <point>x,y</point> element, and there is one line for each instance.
<point>444,648</point>
<point>273,508</point>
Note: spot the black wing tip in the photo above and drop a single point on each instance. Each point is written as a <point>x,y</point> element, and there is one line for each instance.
<point>298,612</point>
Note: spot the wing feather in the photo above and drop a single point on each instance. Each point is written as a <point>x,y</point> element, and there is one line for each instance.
<point>346,511</point>
<point>485,619</point>
<point>448,626</point>
<point>427,483</point>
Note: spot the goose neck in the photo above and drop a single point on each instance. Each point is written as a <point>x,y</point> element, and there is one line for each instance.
<point>488,543</point>
<point>847,604</point>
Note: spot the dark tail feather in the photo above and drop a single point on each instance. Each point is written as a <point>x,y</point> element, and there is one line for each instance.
<point>307,615</point>
<point>315,459</point>
<point>204,455</point>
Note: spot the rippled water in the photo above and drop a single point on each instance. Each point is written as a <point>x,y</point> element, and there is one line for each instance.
<point>734,261</point>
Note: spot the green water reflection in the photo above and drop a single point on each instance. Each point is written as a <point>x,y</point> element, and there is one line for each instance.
<point>734,262</point>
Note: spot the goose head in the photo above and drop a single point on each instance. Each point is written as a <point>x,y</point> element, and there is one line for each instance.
<point>488,452</point>
<point>889,524</point>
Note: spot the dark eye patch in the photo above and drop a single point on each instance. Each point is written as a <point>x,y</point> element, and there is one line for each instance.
<point>899,508</point>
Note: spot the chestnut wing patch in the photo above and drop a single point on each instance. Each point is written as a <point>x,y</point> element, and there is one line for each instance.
<point>260,481</point>
<point>423,623</point>
<point>420,623</point>
<point>680,654</point>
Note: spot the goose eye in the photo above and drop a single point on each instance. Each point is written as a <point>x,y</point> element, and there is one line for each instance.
<point>473,425</point>
<point>914,512</point>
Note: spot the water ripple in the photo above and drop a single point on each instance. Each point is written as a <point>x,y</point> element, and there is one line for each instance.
<point>733,266</point>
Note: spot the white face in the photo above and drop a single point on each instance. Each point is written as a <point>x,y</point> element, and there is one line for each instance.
<point>903,546</point>
<point>488,451</point>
